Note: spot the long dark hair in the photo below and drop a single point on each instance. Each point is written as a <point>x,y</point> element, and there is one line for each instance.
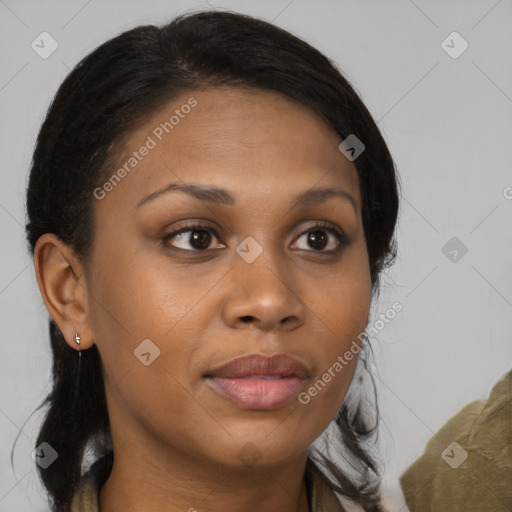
<point>99,103</point>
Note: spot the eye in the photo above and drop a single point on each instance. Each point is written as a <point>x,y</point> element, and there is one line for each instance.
<point>323,237</point>
<point>198,237</point>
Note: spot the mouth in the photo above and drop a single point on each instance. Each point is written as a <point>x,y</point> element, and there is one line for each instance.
<point>258,381</point>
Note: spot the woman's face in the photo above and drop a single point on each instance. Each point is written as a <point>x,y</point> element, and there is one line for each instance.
<point>258,277</point>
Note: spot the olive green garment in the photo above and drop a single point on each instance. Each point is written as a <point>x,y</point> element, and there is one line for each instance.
<point>86,496</point>
<point>476,473</point>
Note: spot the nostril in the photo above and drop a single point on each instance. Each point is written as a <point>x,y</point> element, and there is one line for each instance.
<point>247,318</point>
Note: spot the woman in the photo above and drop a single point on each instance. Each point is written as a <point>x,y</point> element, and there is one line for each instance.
<point>210,205</point>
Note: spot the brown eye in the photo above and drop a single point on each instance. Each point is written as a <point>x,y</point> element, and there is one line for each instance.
<point>322,238</point>
<point>191,238</point>
<point>318,239</point>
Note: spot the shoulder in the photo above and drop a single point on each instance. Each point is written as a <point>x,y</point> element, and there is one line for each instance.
<point>469,460</point>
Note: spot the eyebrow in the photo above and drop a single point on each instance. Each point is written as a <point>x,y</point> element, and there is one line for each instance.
<point>218,195</point>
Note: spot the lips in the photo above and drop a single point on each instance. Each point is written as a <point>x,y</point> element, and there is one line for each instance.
<point>259,382</point>
<point>280,365</point>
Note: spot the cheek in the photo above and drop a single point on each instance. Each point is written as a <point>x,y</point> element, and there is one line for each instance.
<point>342,302</point>
<point>337,351</point>
<point>138,299</point>
<point>139,318</point>
<point>341,316</point>
<point>136,294</point>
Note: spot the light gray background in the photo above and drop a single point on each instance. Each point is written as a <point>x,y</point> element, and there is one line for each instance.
<point>448,123</point>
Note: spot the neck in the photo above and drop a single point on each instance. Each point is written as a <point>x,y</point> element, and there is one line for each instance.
<point>139,483</point>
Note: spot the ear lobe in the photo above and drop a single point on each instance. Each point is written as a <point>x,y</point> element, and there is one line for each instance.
<point>63,288</point>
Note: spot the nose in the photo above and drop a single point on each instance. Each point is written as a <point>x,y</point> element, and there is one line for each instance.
<point>262,296</point>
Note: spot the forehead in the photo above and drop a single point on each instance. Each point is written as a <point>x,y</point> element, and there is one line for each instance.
<point>249,141</point>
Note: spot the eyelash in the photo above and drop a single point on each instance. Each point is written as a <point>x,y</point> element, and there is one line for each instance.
<point>339,235</point>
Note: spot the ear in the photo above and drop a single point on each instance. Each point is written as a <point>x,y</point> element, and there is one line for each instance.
<point>61,280</point>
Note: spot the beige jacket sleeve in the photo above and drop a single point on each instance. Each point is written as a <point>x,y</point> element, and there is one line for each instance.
<point>467,465</point>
